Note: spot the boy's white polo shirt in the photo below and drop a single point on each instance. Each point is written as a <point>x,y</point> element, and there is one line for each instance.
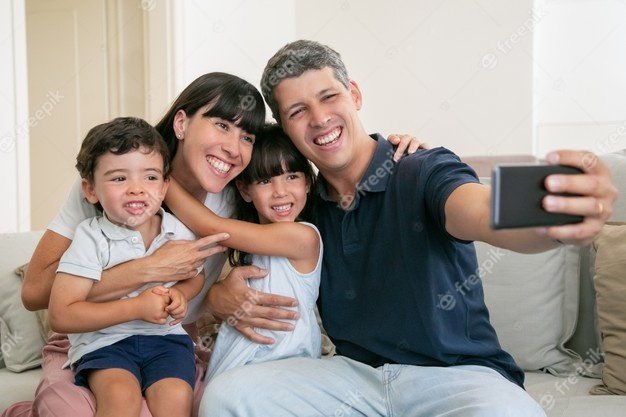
<point>76,209</point>
<point>99,244</point>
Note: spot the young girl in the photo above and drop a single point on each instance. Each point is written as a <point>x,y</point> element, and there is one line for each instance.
<point>272,198</point>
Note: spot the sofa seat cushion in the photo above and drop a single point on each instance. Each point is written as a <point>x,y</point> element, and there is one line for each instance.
<point>569,396</point>
<point>16,387</point>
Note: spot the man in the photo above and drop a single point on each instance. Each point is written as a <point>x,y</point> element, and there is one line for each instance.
<point>396,237</point>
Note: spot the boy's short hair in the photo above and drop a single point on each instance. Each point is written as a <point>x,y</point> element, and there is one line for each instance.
<point>119,136</point>
<point>292,60</point>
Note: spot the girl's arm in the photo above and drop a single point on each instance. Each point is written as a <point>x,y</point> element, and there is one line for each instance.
<point>69,312</point>
<point>291,240</point>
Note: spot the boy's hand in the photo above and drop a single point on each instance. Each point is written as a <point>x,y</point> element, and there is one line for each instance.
<point>152,304</point>
<point>177,307</point>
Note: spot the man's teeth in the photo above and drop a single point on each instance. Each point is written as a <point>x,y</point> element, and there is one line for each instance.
<point>331,137</point>
<point>284,207</point>
<point>219,165</point>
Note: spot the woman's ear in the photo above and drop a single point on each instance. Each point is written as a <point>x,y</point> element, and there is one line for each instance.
<point>180,124</point>
<point>88,191</point>
<point>243,190</point>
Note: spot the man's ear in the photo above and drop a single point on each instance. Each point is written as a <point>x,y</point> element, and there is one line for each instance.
<point>243,190</point>
<point>89,191</point>
<point>355,91</point>
<point>180,124</point>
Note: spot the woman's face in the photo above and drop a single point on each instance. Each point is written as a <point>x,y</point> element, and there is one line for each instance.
<point>211,151</point>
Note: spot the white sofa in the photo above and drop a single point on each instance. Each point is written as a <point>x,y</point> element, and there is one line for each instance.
<point>549,329</point>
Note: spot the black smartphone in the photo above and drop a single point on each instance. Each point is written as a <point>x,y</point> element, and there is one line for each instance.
<point>517,192</point>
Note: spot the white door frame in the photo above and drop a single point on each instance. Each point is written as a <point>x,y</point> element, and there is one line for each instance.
<point>14,121</point>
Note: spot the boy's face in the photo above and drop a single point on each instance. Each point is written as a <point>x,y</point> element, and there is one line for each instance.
<point>320,116</point>
<point>130,187</point>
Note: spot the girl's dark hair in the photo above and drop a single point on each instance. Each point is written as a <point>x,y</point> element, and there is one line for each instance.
<point>231,98</point>
<point>273,154</point>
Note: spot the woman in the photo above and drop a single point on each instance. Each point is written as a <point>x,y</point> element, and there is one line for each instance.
<point>210,131</point>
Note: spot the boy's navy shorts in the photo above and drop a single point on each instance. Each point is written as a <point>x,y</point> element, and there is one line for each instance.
<point>149,358</point>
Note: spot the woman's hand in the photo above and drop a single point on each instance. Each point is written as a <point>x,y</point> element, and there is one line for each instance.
<point>405,143</point>
<point>233,301</point>
<point>178,260</point>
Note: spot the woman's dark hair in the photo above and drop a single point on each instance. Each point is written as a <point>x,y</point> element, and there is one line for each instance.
<point>231,98</point>
<point>273,154</point>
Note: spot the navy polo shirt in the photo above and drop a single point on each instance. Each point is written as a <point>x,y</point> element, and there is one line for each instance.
<point>396,287</point>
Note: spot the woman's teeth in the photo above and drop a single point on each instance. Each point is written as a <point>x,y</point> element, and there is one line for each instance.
<point>219,165</point>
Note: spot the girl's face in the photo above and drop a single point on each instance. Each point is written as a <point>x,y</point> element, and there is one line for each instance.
<point>277,199</point>
<point>211,151</point>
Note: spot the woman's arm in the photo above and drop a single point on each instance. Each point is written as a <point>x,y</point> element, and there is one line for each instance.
<point>291,240</point>
<point>174,261</point>
<point>69,312</point>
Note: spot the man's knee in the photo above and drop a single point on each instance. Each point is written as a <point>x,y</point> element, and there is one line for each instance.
<point>234,391</point>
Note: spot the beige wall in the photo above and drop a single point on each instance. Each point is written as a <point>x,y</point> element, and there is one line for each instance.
<point>85,66</point>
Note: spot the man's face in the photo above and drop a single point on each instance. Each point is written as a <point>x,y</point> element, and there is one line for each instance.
<point>320,116</point>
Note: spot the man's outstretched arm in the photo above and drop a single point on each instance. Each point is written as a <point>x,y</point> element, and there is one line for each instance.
<point>468,208</point>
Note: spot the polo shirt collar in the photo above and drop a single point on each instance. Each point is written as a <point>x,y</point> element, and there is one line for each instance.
<point>379,169</point>
<point>115,232</point>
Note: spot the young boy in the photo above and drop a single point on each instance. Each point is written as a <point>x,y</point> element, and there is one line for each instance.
<point>123,348</point>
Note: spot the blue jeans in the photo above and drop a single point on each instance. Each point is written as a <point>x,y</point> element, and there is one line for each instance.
<point>341,387</point>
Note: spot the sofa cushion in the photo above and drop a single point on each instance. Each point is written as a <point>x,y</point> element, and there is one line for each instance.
<point>610,285</point>
<point>568,396</point>
<point>20,337</point>
<point>616,162</point>
<point>533,304</point>
<point>17,387</point>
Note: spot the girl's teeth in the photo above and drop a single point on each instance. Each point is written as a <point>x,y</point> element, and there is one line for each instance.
<point>221,166</point>
<point>284,207</point>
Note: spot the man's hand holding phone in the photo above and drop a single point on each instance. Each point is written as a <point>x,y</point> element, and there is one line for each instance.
<point>581,190</point>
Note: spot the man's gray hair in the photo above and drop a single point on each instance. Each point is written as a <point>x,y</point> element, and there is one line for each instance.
<point>292,60</point>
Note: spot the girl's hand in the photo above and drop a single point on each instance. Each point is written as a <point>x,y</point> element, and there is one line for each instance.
<point>404,142</point>
<point>178,306</point>
<point>244,308</point>
<point>151,305</point>
<point>178,260</point>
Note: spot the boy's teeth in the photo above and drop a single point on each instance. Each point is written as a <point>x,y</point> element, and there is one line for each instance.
<point>135,205</point>
<point>331,137</point>
<point>218,164</point>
